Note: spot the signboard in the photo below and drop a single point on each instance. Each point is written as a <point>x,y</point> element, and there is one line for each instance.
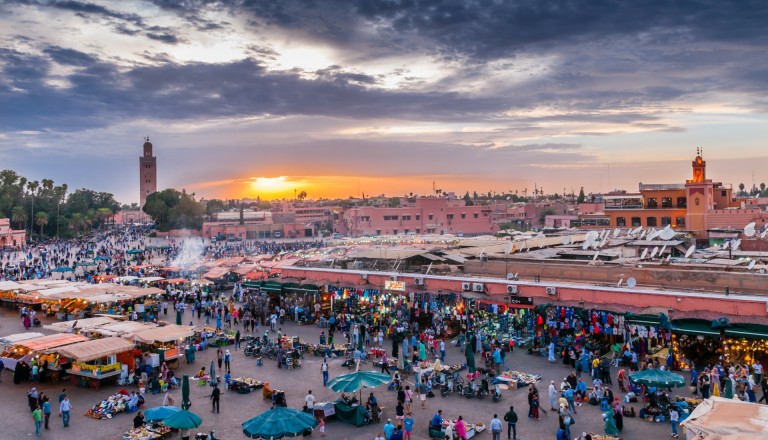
<point>520,301</point>
<point>394,285</point>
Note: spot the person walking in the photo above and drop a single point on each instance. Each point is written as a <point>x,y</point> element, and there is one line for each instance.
<point>237,339</point>
<point>511,418</point>
<point>65,407</point>
<point>461,428</point>
<point>37,416</point>
<point>423,390</point>
<point>385,363</point>
<point>227,360</point>
<point>496,427</point>
<point>442,351</point>
<point>215,395</point>
<point>408,426</point>
<point>62,395</point>
<point>47,411</point>
<point>674,417</point>
<point>324,369</point>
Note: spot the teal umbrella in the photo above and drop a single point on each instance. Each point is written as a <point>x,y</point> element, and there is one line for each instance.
<point>159,413</point>
<point>102,258</point>
<point>212,373</point>
<point>657,378</point>
<point>278,423</point>
<point>352,382</point>
<point>134,251</point>
<point>183,420</point>
<point>87,263</point>
<point>185,402</point>
<point>62,269</point>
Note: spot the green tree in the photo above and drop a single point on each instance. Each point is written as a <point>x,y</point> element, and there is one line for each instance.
<point>468,200</point>
<point>302,195</point>
<point>393,202</point>
<point>41,219</point>
<point>103,215</point>
<point>19,216</point>
<point>213,206</point>
<point>582,197</point>
<point>171,209</point>
<point>32,187</point>
<point>741,189</point>
<point>77,222</point>
<point>762,189</point>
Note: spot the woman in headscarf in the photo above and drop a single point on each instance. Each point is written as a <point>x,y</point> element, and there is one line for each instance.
<point>32,397</point>
<point>552,396</point>
<point>551,351</point>
<point>610,423</point>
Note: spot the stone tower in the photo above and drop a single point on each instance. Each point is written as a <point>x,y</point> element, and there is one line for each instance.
<point>147,173</point>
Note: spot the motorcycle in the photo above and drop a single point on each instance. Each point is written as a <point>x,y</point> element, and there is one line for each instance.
<point>496,394</point>
<point>483,390</point>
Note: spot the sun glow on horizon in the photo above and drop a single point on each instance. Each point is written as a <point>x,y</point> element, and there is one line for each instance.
<point>271,185</point>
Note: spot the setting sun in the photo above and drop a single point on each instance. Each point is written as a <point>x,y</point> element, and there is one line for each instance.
<point>271,185</point>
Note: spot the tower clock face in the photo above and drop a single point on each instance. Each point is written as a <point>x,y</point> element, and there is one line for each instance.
<point>697,175</point>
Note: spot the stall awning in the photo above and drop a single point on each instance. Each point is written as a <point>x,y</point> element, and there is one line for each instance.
<point>271,287</point>
<point>252,284</point>
<point>52,341</point>
<point>167,333</point>
<point>18,337</point>
<point>124,328</point>
<point>216,273</point>
<point>474,295</point>
<point>173,281</point>
<point>642,319</point>
<point>79,324</point>
<point>95,349</point>
<point>747,331</point>
<point>694,327</point>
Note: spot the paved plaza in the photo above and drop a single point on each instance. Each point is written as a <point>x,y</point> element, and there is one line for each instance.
<point>236,408</point>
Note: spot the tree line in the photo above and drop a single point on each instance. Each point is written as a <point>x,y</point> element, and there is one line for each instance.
<point>45,209</point>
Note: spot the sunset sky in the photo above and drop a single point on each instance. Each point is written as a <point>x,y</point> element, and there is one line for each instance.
<point>336,98</point>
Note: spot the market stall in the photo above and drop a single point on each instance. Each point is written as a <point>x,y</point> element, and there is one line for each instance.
<point>98,360</point>
<point>81,326</point>
<point>26,350</point>
<point>516,379</point>
<point>110,406</point>
<point>717,417</point>
<point>148,432</point>
<point>245,385</point>
<point>164,341</point>
<point>7,343</point>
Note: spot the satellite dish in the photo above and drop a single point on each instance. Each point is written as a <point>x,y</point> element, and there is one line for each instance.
<point>726,244</point>
<point>522,247</point>
<point>566,239</point>
<point>585,245</point>
<point>668,233</point>
<point>663,248</point>
<point>749,230</point>
<point>597,254</point>
<point>621,280</point>
<point>645,252</point>
<point>637,230</point>
<point>690,251</point>
<point>762,235</point>
<point>616,232</point>
<point>735,244</point>
<point>642,234</point>
<point>751,265</point>
<point>669,257</point>
<point>508,248</point>
<point>650,235</point>
<point>654,251</point>
<point>631,283</point>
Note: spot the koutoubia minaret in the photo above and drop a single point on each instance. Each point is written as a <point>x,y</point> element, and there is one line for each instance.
<point>147,173</point>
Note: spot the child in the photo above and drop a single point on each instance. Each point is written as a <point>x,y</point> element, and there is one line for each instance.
<point>321,427</point>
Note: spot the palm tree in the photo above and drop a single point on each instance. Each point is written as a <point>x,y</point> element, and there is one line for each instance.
<point>32,187</point>
<point>41,219</point>
<point>103,214</point>
<point>77,222</point>
<point>19,216</point>
<point>59,192</point>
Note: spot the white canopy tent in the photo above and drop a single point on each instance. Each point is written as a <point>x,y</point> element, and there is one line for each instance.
<point>718,418</point>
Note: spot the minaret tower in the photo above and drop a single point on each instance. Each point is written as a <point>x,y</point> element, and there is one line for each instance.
<point>147,173</point>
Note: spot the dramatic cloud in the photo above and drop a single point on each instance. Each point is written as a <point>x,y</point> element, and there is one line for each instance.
<point>480,89</point>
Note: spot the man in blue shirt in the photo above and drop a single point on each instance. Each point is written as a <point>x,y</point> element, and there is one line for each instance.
<point>408,426</point>
<point>389,428</point>
<point>581,388</point>
<point>568,394</point>
<point>437,420</point>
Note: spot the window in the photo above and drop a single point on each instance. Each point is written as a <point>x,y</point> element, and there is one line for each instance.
<point>418,231</point>
<point>666,202</point>
<point>406,217</point>
<point>463,215</point>
<point>378,232</point>
<point>682,202</point>
<point>636,221</point>
<point>621,221</point>
<point>418,217</point>
<point>650,221</point>
<point>475,215</point>
<point>666,221</point>
<point>651,202</point>
<point>450,216</point>
<point>430,216</point>
<point>680,221</point>
<point>390,217</point>
<point>724,193</point>
<point>394,232</point>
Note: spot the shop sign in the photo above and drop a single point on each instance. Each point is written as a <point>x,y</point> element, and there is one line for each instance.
<point>394,285</point>
<point>520,300</point>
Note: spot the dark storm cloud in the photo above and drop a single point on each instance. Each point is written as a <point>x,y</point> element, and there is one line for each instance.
<point>69,57</point>
<point>165,37</point>
<point>86,9</point>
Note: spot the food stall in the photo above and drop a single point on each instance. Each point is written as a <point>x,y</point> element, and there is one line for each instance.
<point>98,360</point>
<point>110,406</point>
<point>164,341</point>
<point>80,326</point>
<point>516,379</point>
<point>27,349</point>
<point>148,432</point>
<point>7,343</point>
<point>245,385</point>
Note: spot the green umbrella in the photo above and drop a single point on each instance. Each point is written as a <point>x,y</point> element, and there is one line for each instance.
<point>352,382</point>
<point>178,317</point>
<point>278,423</point>
<point>469,352</point>
<point>185,402</point>
<point>159,413</point>
<point>62,269</point>
<point>102,258</point>
<point>657,378</point>
<point>212,373</point>
<point>183,420</point>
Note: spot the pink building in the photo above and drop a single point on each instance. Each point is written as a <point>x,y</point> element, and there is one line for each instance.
<point>11,237</point>
<point>430,215</point>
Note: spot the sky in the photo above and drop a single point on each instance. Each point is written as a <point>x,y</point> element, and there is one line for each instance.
<point>340,98</point>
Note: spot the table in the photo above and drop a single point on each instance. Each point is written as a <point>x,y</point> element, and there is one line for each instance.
<point>86,379</point>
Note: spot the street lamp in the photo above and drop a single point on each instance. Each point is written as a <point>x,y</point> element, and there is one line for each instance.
<point>581,304</point>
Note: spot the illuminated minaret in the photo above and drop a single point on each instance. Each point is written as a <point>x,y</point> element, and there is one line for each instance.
<point>147,173</point>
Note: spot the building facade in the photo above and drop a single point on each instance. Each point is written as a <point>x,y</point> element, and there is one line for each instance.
<point>147,173</point>
<point>9,237</point>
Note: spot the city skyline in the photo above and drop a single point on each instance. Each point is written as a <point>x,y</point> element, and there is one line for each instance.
<point>339,98</point>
